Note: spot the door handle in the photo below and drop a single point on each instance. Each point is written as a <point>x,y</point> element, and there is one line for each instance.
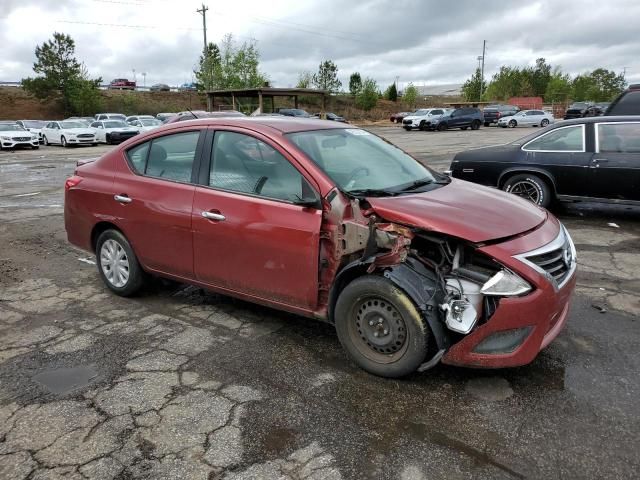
<point>600,160</point>
<point>122,199</point>
<point>214,216</point>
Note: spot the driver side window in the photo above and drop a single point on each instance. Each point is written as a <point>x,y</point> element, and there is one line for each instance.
<point>244,164</point>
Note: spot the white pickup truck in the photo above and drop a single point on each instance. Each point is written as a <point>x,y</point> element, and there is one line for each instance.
<point>421,119</point>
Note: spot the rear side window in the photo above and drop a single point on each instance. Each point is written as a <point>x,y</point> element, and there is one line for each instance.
<point>629,104</point>
<point>619,138</point>
<point>565,139</point>
<point>170,157</point>
<point>138,156</point>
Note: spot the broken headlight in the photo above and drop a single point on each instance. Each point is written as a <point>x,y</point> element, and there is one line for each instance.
<point>505,284</point>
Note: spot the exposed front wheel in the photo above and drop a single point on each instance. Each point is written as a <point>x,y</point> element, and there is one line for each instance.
<point>529,187</point>
<point>513,123</point>
<point>63,142</point>
<point>442,126</point>
<point>475,125</point>
<point>117,264</point>
<point>45,141</point>
<point>544,122</point>
<point>421,127</point>
<point>380,327</point>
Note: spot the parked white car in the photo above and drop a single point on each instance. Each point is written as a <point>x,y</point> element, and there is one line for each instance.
<point>133,118</point>
<point>68,133</point>
<point>13,135</point>
<point>527,118</point>
<point>110,116</point>
<point>420,119</point>
<point>34,126</point>
<point>145,124</point>
<point>113,131</point>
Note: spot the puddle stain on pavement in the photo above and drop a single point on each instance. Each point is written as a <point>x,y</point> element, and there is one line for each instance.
<point>65,380</point>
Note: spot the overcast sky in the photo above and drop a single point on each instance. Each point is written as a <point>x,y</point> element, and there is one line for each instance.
<point>426,42</point>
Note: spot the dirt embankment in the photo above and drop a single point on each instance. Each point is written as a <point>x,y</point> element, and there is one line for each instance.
<point>16,104</point>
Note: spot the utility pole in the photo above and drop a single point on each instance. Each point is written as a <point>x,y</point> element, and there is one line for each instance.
<point>484,48</point>
<point>203,11</point>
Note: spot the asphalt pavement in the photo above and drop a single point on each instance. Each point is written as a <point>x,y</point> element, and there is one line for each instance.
<point>180,383</point>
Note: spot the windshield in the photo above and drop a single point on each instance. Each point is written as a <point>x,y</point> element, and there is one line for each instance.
<point>421,112</point>
<point>34,123</point>
<point>10,127</point>
<point>149,122</point>
<point>115,124</point>
<point>358,160</point>
<point>73,124</point>
<point>578,105</point>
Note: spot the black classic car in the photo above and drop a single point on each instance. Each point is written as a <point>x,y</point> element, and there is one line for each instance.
<point>595,159</point>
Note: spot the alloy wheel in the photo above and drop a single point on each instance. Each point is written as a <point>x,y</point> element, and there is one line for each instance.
<point>527,190</point>
<point>114,263</point>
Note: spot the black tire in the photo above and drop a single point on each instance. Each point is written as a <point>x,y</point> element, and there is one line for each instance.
<point>513,123</point>
<point>531,187</point>
<point>35,147</point>
<point>486,124</point>
<point>408,129</point>
<point>63,142</point>
<point>475,125</point>
<point>136,276</point>
<point>45,141</point>
<point>421,127</point>
<point>442,126</point>
<point>463,128</point>
<point>107,139</point>
<point>94,144</point>
<point>373,304</point>
<point>544,122</point>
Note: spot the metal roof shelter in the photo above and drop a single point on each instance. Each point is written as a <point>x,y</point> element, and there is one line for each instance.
<point>263,93</point>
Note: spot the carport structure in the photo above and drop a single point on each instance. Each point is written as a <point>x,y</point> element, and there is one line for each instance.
<point>262,94</point>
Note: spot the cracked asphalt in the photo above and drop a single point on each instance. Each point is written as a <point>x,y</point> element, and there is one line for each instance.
<point>180,383</point>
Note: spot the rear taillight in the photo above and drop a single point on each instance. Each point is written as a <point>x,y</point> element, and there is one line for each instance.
<point>72,182</point>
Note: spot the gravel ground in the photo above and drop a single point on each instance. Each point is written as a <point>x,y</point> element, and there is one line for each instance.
<point>183,383</point>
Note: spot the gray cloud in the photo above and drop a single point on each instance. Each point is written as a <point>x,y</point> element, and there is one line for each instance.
<point>422,42</point>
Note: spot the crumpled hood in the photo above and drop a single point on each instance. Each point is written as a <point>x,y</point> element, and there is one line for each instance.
<point>464,210</point>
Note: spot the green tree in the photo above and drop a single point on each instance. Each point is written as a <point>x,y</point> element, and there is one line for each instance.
<point>473,87</point>
<point>327,77</point>
<point>391,93</point>
<point>505,84</point>
<point>355,83</point>
<point>605,85</point>
<point>536,78</point>
<point>60,74</point>
<point>84,94</point>
<point>558,87</point>
<point>305,79</point>
<point>410,95</point>
<point>209,68</point>
<point>367,96</point>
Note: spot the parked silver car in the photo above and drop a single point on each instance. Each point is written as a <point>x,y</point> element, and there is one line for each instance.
<point>527,118</point>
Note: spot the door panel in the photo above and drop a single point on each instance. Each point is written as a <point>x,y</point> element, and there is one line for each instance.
<point>570,170</point>
<point>157,220</point>
<point>263,247</point>
<point>615,168</point>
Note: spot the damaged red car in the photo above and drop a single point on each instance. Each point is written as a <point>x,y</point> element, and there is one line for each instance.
<point>333,223</point>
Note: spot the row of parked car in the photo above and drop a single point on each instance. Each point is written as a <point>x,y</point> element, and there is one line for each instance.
<point>473,118</point>
<point>112,128</point>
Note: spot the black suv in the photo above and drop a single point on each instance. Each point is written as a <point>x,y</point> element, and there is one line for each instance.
<point>493,113</point>
<point>627,103</point>
<point>462,118</point>
<point>293,112</point>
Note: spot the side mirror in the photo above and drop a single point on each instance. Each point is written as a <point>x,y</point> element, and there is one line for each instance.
<point>308,203</point>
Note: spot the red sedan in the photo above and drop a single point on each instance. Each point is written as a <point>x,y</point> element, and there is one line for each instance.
<point>330,222</point>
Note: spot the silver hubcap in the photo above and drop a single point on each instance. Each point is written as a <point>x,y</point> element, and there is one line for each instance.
<point>526,190</point>
<point>114,263</point>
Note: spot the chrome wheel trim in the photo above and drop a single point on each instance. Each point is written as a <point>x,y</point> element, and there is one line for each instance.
<point>114,263</point>
<point>527,190</point>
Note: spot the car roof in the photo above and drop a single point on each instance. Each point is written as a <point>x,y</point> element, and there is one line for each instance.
<point>600,119</point>
<point>281,124</point>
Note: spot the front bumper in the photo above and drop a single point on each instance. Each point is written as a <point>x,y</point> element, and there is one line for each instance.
<point>533,320</point>
<point>13,143</point>
<point>121,136</point>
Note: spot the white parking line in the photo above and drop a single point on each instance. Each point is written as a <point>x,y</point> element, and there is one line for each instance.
<point>27,194</point>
